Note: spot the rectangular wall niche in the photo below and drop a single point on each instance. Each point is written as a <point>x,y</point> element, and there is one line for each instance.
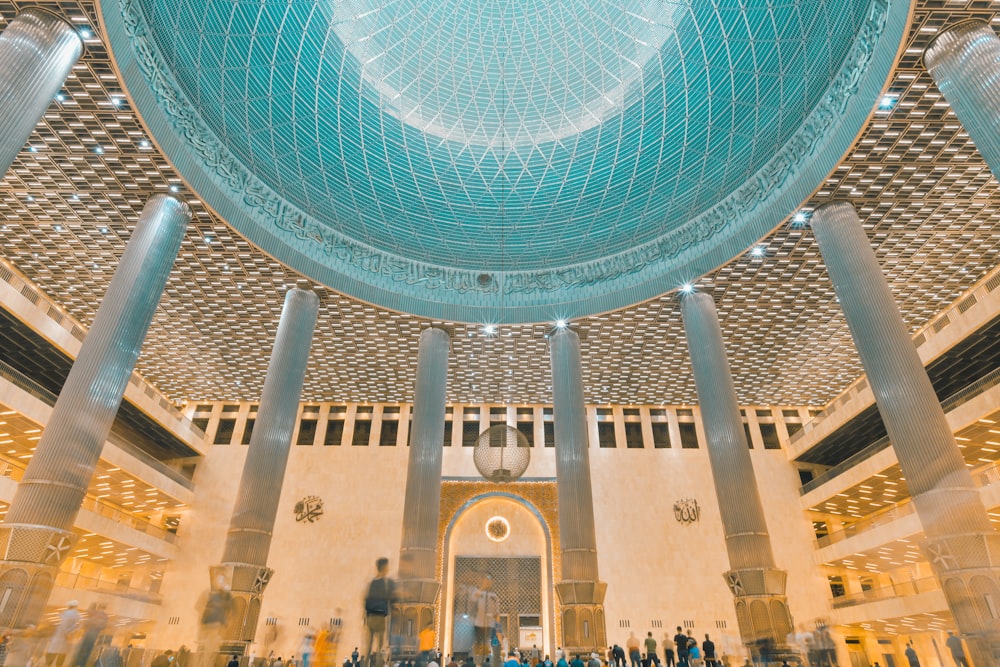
<point>517,584</point>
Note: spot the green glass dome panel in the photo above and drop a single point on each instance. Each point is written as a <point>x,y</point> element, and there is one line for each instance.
<point>507,159</point>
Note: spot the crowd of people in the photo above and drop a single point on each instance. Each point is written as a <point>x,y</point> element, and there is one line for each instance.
<point>79,639</point>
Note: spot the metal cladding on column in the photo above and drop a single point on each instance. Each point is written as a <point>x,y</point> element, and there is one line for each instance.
<point>964,61</point>
<point>960,543</point>
<point>36,534</point>
<point>37,51</point>
<point>418,583</point>
<point>577,534</point>
<point>418,554</point>
<point>249,537</point>
<point>747,540</point>
<point>942,487</point>
<point>580,591</point>
<point>56,480</point>
<point>758,586</point>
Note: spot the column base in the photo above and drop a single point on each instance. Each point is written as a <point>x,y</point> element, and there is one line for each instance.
<point>30,557</point>
<point>416,608</point>
<point>245,584</point>
<point>762,610</point>
<point>968,568</point>
<point>583,624</point>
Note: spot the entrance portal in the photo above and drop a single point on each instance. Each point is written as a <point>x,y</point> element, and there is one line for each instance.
<point>498,580</point>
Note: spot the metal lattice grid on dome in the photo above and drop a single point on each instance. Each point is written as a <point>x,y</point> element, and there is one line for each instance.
<point>626,143</point>
<point>501,454</point>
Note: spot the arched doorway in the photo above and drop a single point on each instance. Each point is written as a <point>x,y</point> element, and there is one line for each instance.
<point>497,563</point>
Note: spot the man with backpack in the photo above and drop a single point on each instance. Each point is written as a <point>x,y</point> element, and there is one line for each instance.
<point>378,605</point>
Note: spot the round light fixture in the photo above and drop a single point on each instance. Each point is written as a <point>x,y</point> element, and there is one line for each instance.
<point>501,454</point>
<point>498,529</point>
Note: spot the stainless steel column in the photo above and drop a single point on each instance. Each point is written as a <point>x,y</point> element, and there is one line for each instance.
<point>757,585</point>
<point>37,51</point>
<point>581,592</point>
<point>960,541</point>
<point>37,532</point>
<point>964,61</point>
<point>244,561</point>
<point>418,581</point>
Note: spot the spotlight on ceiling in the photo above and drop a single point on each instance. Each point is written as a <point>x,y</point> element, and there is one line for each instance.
<point>561,324</point>
<point>757,251</point>
<point>490,329</point>
<point>687,288</point>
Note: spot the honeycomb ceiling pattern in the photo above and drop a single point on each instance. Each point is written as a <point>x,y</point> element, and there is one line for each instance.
<point>68,204</point>
<point>522,149</point>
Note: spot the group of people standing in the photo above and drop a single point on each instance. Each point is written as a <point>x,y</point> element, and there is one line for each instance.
<point>684,651</point>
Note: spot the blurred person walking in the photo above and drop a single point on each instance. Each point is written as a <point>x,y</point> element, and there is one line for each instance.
<point>93,626</point>
<point>55,652</point>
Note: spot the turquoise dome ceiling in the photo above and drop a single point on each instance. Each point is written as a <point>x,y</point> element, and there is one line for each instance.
<point>504,160</point>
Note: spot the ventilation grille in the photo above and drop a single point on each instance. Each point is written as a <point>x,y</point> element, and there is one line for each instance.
<point>965,304</point>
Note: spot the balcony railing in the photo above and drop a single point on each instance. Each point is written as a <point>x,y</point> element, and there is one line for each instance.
<point>80,582</point>
<point>25,383</point>
<point>983,476</point>
<point>898,511</point>
<point>961,396</point>
<point>902,589</point>
<point>15,470</point>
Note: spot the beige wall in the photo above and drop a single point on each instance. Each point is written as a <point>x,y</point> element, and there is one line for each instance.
<point>657,570</point>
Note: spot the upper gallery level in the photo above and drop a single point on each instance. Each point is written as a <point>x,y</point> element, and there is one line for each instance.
<point>40,342</point>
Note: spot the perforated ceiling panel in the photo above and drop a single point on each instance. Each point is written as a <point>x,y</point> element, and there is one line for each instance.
<point>927,198</point>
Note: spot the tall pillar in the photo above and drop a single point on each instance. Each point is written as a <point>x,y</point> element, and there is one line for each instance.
<point>758,586</point>
<point>418,581</point>
<point>964,61</point>
<point>960,542</point>
<point>581,592</point>
<point>36,535</point>
<point>37,51</point>
<point>244,568</point>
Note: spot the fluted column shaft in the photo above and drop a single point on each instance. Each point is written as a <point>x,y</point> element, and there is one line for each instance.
<point>56,480</point>
<point>37,52</point>
<point>964,61</point>
<point>580,591</point>
<point>418,554</point>
<point>36,535</point>
<point>960,543</point>
<point>758,586</point>
<point>576,500</point>
<point>747,540</point>
<point>249,537</point>
<point>943,491</point>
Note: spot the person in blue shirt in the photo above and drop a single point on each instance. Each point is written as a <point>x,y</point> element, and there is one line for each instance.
<point>561,662</point>
<point>512,661</point>
<point>576,662</point>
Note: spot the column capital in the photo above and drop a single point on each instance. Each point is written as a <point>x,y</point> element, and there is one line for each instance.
<point>41,545</point>
<point>581,592</point>
<point>757,581</point>
<point>241,577</point>
<point>971,551</point>
<point>418,591</point>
